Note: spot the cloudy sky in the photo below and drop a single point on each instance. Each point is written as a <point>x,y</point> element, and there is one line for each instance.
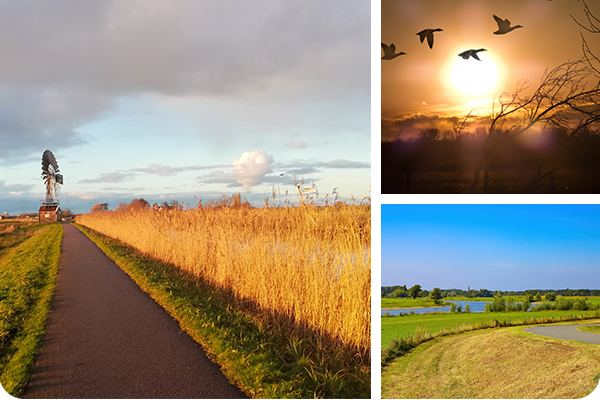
<point>418,89</point>
<point>183,100</point>
<point>495,247</point>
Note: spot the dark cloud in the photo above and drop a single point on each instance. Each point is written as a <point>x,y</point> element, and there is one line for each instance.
<point>65,62</point>
<point>13,190</point>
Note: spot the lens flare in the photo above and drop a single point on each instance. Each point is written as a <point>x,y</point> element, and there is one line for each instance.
<point>474,77</point>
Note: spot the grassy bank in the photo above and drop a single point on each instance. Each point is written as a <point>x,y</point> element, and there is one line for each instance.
<point>27,276</point>
<point>260,354</point>
<point>391,302</point>
<point>498,363</point>
<point>401,327</point>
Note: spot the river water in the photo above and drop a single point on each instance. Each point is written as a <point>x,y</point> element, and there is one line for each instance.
<point>476,306</point>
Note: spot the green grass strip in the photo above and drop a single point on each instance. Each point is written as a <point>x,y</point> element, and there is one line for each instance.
<point>591,328</point>
<point>399,327</point>
<point>264,361</point>
<point>27,280</point>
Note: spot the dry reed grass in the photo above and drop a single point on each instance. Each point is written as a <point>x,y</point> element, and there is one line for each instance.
<point>309,265</point>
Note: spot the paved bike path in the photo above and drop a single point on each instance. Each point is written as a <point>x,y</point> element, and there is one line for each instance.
<point>106,338</point>
<point>567,332</point>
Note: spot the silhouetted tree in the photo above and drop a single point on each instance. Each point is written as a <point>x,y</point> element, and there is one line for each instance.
<point>564,100</point>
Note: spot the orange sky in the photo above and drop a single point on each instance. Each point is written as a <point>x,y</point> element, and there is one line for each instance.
<point>416,90</point>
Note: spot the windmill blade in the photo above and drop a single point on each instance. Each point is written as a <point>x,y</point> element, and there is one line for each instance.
<point>48,160</point>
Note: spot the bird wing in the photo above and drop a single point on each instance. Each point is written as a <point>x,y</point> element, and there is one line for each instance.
<point>430,39</point>
<point>393,48</point>
<point>474,55</point>
<point>501,23</point>
<point>422,35</point>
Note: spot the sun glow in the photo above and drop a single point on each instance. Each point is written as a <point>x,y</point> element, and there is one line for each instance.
<point>474,77</point>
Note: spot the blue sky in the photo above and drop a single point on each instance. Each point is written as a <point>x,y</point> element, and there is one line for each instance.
<point>496,247</point>
<point>183,100</point>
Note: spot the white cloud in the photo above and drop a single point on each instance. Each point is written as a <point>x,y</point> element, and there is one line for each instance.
<point>251,167</point>
<point>15,193</point>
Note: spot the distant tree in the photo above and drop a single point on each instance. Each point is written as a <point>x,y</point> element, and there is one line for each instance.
<point>550,296</point>
<point>67,213</point>
<point>525,305</point>
<point>138,204</point>
<point>399,293</point>
<point>467,308</point>
<point>436,295</point>
<point>529,297</point>
<point>414,291</point>
<point>99,207</point>
<point>424,293</point>
<point>484,293</point>
<point>538,297</point>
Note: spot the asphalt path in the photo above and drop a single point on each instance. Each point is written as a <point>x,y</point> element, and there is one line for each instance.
<point>106,338</point>
<point>567,332</point>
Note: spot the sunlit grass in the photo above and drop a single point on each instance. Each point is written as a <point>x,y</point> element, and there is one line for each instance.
<point>27,276</point>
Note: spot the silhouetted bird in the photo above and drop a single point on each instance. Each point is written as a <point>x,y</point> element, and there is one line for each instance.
<point>504,26</point>
<point>471,53</point>
<point>389,52</point>
<point>428,33</point>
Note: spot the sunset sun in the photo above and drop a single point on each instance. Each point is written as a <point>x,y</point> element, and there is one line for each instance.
<point>474,77</point>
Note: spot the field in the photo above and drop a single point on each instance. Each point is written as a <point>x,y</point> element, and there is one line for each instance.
<point>496,363</point>
<point>27,275</point>
<point>298,272</point>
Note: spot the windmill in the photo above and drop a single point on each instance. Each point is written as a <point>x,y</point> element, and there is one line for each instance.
<point>51,177</point>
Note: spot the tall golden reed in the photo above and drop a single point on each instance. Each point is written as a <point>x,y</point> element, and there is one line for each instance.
<point>310,264</point>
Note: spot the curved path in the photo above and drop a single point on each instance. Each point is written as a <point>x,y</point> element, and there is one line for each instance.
<point>567,332</point>
<point>106,338</point>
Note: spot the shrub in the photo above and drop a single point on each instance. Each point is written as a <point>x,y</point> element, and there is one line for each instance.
<point>467,308</point>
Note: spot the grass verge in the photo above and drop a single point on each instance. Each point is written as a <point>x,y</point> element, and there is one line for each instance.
<point>498,363</point>
<point>264,360</point>
<point>27,278</point>
<point>592,329</point>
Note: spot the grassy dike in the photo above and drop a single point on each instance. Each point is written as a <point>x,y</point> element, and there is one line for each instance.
<point>494,363</point>
<point>263,360</point>
<point>27,278</point>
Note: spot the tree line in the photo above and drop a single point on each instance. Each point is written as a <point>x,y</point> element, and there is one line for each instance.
<point>401,291</point>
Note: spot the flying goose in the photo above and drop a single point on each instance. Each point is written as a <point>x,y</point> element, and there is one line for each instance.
<point>471,53</point>
<point>389,52</point>
<point>504,26</point>
<point>428,33</point>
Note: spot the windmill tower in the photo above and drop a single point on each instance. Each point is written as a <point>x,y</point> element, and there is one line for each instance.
<point>50,209</point>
